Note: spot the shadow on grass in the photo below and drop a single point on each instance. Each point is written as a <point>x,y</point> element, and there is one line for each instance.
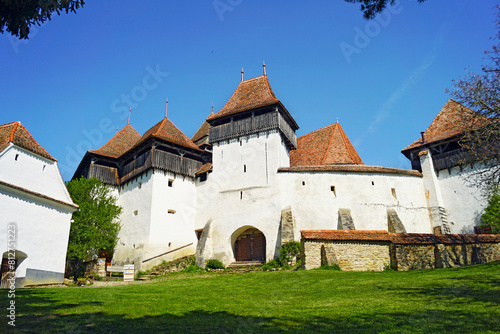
<point>40,314</point>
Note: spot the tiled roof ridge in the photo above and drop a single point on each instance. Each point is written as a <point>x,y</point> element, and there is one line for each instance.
<point>348,143</point>
<point>399,238</point>
<point>167,122</point>
<point>269,90</point>
<point>117,134</point>
<point>330,144</point>
<point>438,122</point>
<point>37,149</point>
<point>13,131</point>
<point>349,168</point>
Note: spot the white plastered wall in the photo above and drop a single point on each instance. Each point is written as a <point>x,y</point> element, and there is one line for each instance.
<point>242,192</point>
<point>367,195</point>
<point>463,200</point>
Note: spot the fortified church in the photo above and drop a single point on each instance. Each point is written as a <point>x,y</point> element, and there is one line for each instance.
<point>244,183</point>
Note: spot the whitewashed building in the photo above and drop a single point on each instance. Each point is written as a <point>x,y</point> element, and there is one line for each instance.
<point>245,184</point>
<point>36,210</point>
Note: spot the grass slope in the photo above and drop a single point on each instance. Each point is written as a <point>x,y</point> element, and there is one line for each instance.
<point>463,300</point>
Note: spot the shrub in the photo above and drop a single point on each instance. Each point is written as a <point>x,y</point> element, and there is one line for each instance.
<point>192,269</point>
<point>271,265</point>
<point>287,252</point>
<point>330,267</point>
<point>214,264</point>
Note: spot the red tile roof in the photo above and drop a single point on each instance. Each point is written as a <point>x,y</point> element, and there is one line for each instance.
<point>453,119</point>
<point>202,131</point>
<point>17,134</point>
<point>350,169</point>
<point>250,94</point>
<point>377,235</point>
<point>326,146</point>
<point>205,168</point>
<point>399,238</point>
<point>167,131</point>
<point>120,143</point>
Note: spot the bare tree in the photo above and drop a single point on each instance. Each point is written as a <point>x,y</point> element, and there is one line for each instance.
<point>371,8</point>
<point>480,94</point>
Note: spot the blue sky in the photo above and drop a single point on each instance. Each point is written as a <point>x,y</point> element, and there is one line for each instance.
<point>71,83</point>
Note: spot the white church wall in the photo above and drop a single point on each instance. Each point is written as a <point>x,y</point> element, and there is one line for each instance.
<point>463,201</point>
<point>27,170</point>
<point>242,192</point>
<point>135,197</point>
<point>368,196</point>
<point>42,232</point>
<point>172,217</point>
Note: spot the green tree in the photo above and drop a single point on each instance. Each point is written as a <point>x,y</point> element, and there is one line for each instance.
<point>491,214</point>
<point>480,94</point>
<point>95,226</point>
<point>17,16</point>
<point>371,8</point>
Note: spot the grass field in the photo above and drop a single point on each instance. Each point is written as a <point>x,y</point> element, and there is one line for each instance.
<point>463,300</point>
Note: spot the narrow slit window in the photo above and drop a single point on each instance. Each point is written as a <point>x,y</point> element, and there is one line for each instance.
<point>244,168</point>
<point>303,183</point>
<point>241,194</point>
<point>17,156</point>
<point>393,191</point>
<point>332,189</point>
<point>373,183</point>
<point>170,183</point>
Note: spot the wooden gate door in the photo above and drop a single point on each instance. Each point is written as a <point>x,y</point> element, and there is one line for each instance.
<point>250,246</point>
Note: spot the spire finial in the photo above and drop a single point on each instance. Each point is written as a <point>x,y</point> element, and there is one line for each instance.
<point>242,73</point>
<point>117,129</point>
<point>264,66</point>
<point>337,119</point>
<point>129,111</point>
<point>166,108</point>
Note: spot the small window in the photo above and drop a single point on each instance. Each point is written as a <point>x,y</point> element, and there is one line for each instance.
<point>303,183</point>
<point>136,212</point>
<point>373,183</point>
<point>393,191</point>
<point>43,168</point>
<point>241,143</point>
<point>241,194</point>
<point>244,168</point>
<point>170,211</point>
<point>203,177</point>
<point>17,156</point>
<point>332,189</point>
<point>170,182</point>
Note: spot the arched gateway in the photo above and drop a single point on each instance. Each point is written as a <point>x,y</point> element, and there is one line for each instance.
<point>250,246</point>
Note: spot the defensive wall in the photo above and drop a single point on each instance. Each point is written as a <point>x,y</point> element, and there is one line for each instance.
<point>355,250</point>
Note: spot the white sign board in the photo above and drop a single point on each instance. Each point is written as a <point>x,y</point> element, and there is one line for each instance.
<point>128,272</point>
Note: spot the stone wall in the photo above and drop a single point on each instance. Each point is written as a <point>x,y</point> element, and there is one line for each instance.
<point>375,250</point>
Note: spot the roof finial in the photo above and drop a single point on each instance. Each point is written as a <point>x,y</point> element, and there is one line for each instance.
<point>166,108</point>
<point>242,73</point>
<point>129,111</point>
<point>264,66</point>
<point>337,119</point>
<point>116,129</point>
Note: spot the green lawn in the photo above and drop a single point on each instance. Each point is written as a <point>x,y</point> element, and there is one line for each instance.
<point>464,300</point>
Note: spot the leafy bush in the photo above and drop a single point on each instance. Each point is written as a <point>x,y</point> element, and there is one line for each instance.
<point>491,214</point>
<point>330,267</point>
<point>192,269</point>
<point>269,266</point>
<point>214,264</point>
<point>287,252</point>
